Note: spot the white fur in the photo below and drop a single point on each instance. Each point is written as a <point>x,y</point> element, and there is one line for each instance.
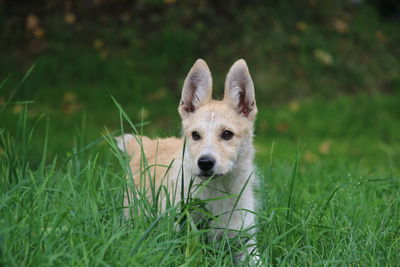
<point>122,141</point>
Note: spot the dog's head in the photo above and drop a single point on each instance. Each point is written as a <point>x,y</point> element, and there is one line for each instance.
<point>217,131</point>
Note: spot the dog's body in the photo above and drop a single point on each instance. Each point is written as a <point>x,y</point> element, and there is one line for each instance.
<point>218,149</point>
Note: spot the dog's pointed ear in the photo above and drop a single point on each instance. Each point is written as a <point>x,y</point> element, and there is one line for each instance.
<point>239,90</point>
<point>197,89</point>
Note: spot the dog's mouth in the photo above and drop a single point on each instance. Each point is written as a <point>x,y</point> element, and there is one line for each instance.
<point>208,174</point>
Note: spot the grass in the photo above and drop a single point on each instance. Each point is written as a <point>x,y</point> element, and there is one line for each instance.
<point>328,194</point>
<point>327,82</point>
<point>306,51</point>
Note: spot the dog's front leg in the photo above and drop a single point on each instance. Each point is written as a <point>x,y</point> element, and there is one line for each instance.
<point>238,221</point>
<point>242,222</point>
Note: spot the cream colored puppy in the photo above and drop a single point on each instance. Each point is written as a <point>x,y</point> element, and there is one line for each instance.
<point>219,149</point>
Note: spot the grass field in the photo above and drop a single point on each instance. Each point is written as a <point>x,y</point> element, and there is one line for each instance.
<point>329,194</point>
<point>327,81</point>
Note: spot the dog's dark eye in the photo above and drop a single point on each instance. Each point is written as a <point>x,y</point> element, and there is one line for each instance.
<point>226,135</point>
<point>195,135</point>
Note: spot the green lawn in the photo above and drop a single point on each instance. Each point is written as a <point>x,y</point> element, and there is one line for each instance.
<point>327,81</point>
<point>329,194</point>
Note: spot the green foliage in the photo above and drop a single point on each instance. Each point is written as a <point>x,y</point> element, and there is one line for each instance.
<point>329,194</point>
<point>140,54</point>
<point>327,82</point>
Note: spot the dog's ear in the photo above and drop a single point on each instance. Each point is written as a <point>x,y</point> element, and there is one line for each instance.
<point>197,89</point>
<point>239,90</point>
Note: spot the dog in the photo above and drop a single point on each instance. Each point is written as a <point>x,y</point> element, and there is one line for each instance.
<point>216,149</point>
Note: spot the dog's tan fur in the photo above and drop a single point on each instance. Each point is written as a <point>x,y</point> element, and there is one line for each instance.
<point>157,153</point>
<point>233,172</point>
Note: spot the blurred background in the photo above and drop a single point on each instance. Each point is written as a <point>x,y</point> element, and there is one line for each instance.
<point>326,73</point>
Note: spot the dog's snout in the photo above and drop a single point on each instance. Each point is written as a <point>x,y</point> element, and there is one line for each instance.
<point>206,163</point>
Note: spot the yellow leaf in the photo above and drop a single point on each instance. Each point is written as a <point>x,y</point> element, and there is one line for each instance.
<point>310,157</point>
<point>340,26</point>
<point>32,22</point>
<point>301,25</point>
<point>71,108</point>
<point>69,103</point>
<point>325,147</point>
<point>69,97</point>
<point>323,56</point>
<point>38,33</point>
<point>294,106</point>
<point>17,109</point>
<point>98,43</point>
<point>70,18</point>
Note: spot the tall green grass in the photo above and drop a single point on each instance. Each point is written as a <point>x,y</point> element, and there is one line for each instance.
<point>70,211</point>
<point>337,208</point>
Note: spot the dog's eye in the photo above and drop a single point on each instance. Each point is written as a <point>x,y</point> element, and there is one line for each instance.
<point>195,135</point>
<point>226,135</point>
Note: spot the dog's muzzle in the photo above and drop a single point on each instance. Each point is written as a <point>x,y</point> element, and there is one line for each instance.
<point>206,164</point>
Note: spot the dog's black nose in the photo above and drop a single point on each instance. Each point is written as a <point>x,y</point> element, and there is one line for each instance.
<point>206,163</point>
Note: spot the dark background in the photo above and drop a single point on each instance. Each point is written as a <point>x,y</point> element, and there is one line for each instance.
<point>335,59</point>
